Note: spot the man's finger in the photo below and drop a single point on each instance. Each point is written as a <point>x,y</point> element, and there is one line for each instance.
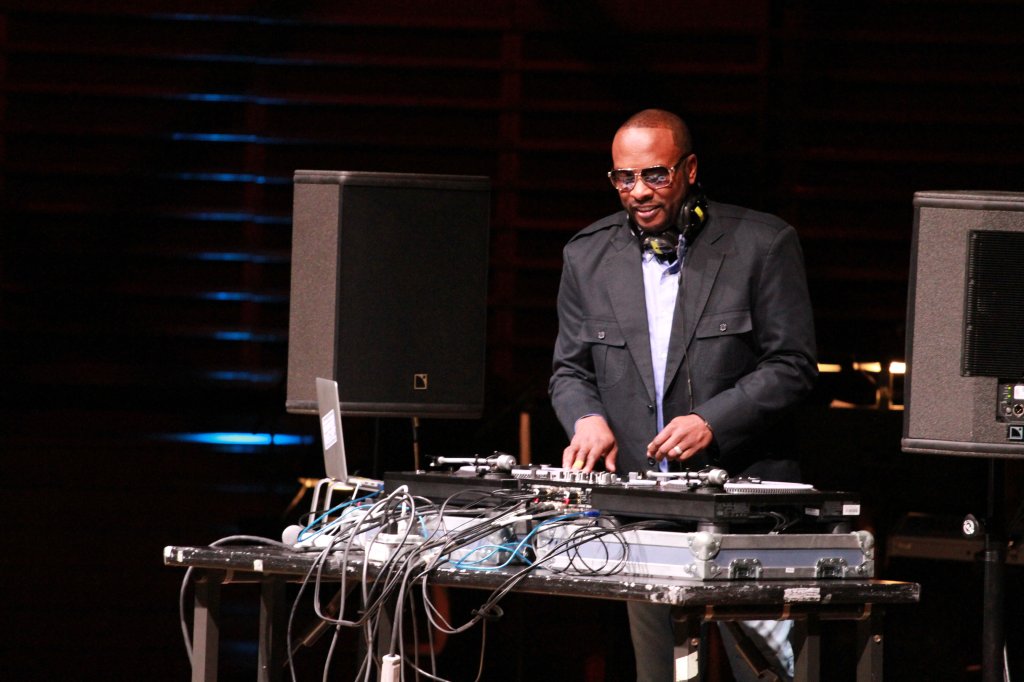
<point>569,456</point>
<point>609,461</point>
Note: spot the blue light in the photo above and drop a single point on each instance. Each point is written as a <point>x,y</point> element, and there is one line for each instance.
<point>233,98</point>
<point>247,377</point>
<point>210,97</point>
<point>242,296</point>
<point>225,257</point>
<point>225,296</point>
<point>214,137</point>
<point>240,257</point>
<point>236,438</point>
<point>238,217</point>
<point>246,336</point>
<point>231,177</point>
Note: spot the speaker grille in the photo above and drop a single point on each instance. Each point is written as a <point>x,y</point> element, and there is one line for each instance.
<point>993,338</point>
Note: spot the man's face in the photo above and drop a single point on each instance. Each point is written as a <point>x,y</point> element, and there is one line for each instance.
<point>653,210</point>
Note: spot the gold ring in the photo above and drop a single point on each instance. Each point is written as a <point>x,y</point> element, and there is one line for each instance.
<point>678,451</point>
<point>579,464</point>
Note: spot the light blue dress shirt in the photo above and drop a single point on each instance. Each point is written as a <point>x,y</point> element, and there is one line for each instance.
<point>661,287</point>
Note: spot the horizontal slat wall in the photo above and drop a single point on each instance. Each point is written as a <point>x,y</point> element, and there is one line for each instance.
<point>148,152</point>
<point>571,81</point>
<point>151,152</point>
<point>161,138</point>
<point>146,156</point>
<point>871,102</point>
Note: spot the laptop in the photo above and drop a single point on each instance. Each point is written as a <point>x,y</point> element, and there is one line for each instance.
<point>333,439</point>
<point>336,467</point>
<point>335,464</point>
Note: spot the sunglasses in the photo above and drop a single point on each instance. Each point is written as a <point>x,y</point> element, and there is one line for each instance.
<point>655,177</point>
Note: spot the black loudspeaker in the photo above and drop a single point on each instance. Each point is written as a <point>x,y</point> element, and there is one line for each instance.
<point>964,390</point>
<point>389,292</point>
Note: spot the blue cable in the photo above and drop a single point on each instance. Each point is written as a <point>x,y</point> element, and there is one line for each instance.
<point>516,550</point>
<point>332,510</point>
<point>476,564</point>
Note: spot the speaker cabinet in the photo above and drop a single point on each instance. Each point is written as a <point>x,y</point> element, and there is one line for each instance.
<point>389,292</point>
<point>964,387</point>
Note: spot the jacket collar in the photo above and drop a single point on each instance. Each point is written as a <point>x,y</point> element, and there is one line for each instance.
<point>626,293</point>
<point>700,270</point>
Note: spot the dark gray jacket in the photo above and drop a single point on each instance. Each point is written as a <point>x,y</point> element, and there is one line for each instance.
<point>742,348</point>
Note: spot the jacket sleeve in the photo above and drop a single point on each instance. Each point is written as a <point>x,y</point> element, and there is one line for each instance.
<point>573,384</point>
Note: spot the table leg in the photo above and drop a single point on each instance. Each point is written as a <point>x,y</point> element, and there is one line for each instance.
<point>806,640</point>
<point>870,643</point>
<point>273,629</point>
<point>685,653</point>
<point>206,627</point>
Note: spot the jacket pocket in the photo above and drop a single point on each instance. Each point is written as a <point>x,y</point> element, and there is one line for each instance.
<point>724,324</point>
<point>724,344</point>
<point>608,350</point>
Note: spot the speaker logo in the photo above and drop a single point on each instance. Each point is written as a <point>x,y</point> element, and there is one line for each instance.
<point>419,382</point>
<point>1015,432</point>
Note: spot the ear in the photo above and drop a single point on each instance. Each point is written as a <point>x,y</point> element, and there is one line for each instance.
<point>690,166</point>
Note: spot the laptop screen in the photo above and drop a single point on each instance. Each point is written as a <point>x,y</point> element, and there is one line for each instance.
<point>329,408</point>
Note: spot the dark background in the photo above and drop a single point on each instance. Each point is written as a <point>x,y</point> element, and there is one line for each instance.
<point>146,156</point>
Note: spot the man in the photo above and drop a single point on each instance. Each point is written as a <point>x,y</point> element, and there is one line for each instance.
<point>685,332</point>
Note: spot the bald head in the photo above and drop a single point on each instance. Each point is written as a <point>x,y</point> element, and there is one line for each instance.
<point>652,139</point>
<point>659,118</point>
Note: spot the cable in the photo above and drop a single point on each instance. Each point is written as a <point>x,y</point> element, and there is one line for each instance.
<point>377,516</point>
<point>188,575</point>
<point>333,510</point>
<point>411,538</point>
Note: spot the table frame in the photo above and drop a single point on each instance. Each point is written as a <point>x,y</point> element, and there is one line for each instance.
<point>693,602</point>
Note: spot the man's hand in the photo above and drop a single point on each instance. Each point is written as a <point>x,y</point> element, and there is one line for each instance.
<point>682,438</point>
<point>592,441</point>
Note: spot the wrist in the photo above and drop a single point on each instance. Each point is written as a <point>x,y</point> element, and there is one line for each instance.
<point>576,424</point>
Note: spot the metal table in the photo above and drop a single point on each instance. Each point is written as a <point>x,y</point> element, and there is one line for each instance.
<point>806,602</point>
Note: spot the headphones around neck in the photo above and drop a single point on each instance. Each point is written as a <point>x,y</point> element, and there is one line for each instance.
<point>693,213</point>
<point>692,216</point>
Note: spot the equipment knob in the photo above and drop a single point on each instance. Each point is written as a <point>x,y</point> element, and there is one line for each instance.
<point>717,477</point>
<point>972,527</point>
